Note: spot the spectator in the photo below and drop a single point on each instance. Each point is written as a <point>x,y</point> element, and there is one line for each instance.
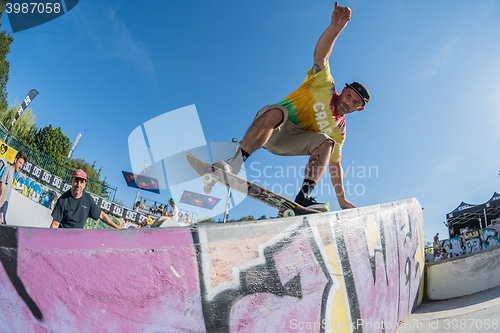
<point>436,246</point>
<point>6,183</point>
<point>137,205</point>
<point>149,220</point>
<point>53,201</point>
<point>144,224</point>
<point>153,208</point>
<point>143,205</point>
<point>75,206</point>
<point>160,210</point>
<point>173,211</point>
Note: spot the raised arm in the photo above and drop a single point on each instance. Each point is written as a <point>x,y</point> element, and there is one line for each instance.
<point>340,17</point>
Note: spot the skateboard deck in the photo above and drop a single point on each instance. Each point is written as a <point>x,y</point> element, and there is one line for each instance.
<point>212,175</point>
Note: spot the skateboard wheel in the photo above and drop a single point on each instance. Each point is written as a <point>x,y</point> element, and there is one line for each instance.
<point>207,178</point>
<point>207,189</point>
<point>288,213</point>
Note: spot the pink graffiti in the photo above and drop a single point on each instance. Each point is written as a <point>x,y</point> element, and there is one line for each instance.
<point>95,281</point>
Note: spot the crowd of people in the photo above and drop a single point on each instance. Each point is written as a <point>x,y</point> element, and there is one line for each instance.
<point>439,252</point>
<point>168,210</point>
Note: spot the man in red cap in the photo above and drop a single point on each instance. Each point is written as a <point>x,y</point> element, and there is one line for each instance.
<point>75,206</point>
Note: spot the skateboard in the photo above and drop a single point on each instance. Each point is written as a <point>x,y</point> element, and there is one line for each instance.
<point>212,175</point>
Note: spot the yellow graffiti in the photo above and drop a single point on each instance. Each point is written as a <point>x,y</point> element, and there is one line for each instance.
<point>372,234</point>
<point>471,234</point>
<point>340,305</point>
<point>419,254</point>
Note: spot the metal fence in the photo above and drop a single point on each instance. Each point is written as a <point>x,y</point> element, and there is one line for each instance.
<point>57,168</point>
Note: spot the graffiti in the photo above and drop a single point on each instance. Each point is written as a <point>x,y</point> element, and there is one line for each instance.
<point>471,234</point>
<point>289,275</point>
<point>454,246</point>
<point>472,245</point>
<point>398,267</point>
<point>32,189</point>
<point>327,270</point>
<point>46,197</point>
<point>489,237</point>
<point>471,241</point>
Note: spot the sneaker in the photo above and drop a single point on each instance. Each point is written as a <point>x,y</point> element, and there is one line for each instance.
<point>228,166</point>
<point>311,203</point>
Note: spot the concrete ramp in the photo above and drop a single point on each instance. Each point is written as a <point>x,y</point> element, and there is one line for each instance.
<point>464,275</point>
<point>27,213</point>
<point>358,270</point>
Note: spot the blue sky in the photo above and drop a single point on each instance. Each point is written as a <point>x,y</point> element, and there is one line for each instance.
<point>430,131</point>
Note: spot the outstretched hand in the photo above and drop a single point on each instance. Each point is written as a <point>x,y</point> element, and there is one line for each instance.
<point>341,15</point>
<point>344,204</point>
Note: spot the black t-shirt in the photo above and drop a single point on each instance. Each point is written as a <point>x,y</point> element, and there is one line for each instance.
<point>72,213</point>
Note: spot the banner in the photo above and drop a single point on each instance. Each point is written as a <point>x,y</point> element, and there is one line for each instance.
<point>77,140</point>
<point>141,182</point>
<point>7,152</point>
<point>33,93</point>
<point>199,200</point>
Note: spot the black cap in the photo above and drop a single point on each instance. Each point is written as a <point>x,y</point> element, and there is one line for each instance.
<point>361,90</point>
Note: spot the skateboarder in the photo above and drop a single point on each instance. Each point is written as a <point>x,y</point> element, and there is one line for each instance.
<point>309,121</point>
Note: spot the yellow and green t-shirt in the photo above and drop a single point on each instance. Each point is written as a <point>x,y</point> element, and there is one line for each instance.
<point>311,107</point>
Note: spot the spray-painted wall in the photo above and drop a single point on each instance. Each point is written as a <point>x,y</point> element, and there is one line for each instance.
<point>358,270</point>
<point>472,241</point>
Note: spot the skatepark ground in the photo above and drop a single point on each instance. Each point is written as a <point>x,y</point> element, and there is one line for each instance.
<point>479,312</point>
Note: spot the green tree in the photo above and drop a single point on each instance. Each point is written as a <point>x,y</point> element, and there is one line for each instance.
<point>24,128</point>
<point>80,163</point>
<point>246,218</point>
<point>428,248</point>
<point>52,142</point>
<point>5,41</point>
